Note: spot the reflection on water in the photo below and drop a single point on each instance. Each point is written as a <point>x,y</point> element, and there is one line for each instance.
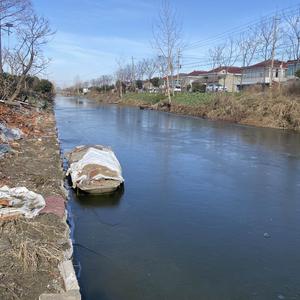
<point>199,197</point>
<point>106,200</point>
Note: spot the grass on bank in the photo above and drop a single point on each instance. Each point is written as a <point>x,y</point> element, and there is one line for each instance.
<point>190,99</point>
<point>270,108</point>
<point>143,98</point>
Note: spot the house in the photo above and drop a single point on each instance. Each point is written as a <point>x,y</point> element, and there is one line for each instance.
<point>227,77</point>
<point>292,67</point>
<point>262,73</point>
<point>85,90</point>
<point>176,82</point>
<point>194,76</point>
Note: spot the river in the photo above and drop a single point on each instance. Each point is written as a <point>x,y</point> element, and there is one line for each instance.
<point>209,210</point>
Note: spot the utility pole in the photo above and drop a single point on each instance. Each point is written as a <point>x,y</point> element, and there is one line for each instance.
<point>133,73</point>
<point>178,66</point>
<point>275,20</point>
<point>1,66</point>
<point>5,27</point>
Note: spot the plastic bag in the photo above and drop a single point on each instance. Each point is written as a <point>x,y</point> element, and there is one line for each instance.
<point>20,201</point>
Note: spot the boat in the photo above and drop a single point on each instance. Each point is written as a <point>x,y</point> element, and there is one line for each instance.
<point>94,169</point>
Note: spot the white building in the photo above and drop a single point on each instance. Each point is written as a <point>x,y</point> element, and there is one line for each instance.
<point>260,73</point>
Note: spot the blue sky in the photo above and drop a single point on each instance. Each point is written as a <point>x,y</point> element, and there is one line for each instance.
<point>92,34</point>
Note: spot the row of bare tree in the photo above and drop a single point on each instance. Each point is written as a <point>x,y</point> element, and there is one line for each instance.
<point>276,37</point>
<point>166,42</point>
<point>127,74</point>
<point>22,56</point>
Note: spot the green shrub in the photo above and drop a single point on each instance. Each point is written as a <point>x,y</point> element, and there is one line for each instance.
<point>155,81</point>
<point>198,87</point>
<point>44,86</point>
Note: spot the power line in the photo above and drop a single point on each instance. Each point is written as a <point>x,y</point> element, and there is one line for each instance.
<point>243,28</point>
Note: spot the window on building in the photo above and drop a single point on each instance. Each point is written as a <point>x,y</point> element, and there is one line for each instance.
<point>276,73</point>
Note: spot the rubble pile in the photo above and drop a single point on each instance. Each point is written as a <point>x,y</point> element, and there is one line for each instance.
<point>24,119</point>
<point>16,123</point>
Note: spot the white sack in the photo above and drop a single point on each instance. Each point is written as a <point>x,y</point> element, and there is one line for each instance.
<point>21,202</point>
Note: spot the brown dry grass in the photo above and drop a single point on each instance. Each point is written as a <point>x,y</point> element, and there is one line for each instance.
<point>33,249</point>
<point>34,243</point>
<point>271,108</point>
<point>278,107</point>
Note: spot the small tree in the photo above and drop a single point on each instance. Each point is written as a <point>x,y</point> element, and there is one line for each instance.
<point>139,84</point>
<point>155,81</point>
<point>167,39</point>
<point>198,87</point>
<point>13,12</point>
<point>26,58</point>
<point>248,44</point>
<point>44,86</point>
<point>297,73</point>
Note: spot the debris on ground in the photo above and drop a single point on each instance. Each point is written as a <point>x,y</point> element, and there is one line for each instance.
<point>9,134</point>
<point>4,148</point>
<point>19,201</point>
<point>31,249</point>
<point>25,119</point>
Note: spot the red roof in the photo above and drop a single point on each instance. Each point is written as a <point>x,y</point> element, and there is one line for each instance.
<point>197,73</point>
<point>268,63</point>
<point>292,62</point>
<point>233,70</point>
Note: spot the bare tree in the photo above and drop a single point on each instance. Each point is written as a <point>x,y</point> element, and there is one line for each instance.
<point>162,67</point>
<point>150,66</point>
<point>12,12</point>
<point>216,55</point>
<point>27,56</point>
<point>140,69</point>
<point>166,34</point>
<point>105,81</point>
<point>292,34</point>
<point>248,44</point>
<point>77,84</point>
<point>231,55</point>
<point>269,36</point>
<point>123,75</point>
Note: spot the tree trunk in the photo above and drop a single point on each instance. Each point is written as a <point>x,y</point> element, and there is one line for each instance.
<point>22,77</point>
<point>18,89</point>
<point>168,90</point>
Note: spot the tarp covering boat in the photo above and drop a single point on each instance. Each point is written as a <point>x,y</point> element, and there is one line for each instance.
<point>94,169</point>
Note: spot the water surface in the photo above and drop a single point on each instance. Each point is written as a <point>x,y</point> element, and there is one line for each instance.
<point>198,198</point>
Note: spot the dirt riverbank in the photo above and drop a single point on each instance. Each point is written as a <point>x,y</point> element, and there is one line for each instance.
<point>31,249</point>
<point>261,109</point>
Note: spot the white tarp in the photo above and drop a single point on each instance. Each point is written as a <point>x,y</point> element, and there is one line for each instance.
<point>104,157</point>
<point>20,201</point>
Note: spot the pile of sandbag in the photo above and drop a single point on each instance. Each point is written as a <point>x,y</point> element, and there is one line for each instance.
<point>20,201</point>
